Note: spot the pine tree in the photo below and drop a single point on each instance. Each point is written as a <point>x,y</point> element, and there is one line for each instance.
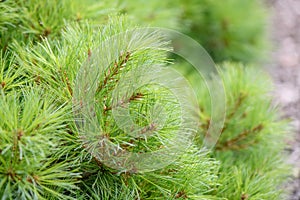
<point>79,105</point>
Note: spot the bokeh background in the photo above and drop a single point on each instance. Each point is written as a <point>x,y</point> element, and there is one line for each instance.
<point>284,67</point>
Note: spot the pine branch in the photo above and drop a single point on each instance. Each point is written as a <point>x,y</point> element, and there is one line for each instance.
<point>133,97</point>
<point>117,67</point>
<point>237,105</point>
<point>232,143</point>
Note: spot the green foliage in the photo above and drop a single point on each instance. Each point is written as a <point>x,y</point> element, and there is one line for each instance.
<point>10,75</point>
<point>223,28</point>
<point>249,113</point>
<point>31,130</point>
<point>33,20</point>
<point>154,13</point>
<point>254,174</point>
<point>53,65</point>
<point>44,154</point>
<point>192,176</point>
<point>231,29</point>
<point>8,14</point>
<point>251,143</point>
<point>228,30</point>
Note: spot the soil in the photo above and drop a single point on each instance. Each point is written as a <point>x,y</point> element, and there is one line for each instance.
<point>285,71</point>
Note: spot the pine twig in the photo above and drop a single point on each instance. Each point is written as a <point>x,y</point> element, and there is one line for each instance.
<point>114,71</point>
<point>237,105</point>
<point>231,144</point>
<point>132,98</point>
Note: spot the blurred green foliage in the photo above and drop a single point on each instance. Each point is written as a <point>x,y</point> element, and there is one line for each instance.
<point>229,30</point>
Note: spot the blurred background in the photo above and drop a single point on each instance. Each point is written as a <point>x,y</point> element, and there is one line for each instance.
<point>285,70</point>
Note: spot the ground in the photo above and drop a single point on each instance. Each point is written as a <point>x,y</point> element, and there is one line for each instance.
<point>284,68</point>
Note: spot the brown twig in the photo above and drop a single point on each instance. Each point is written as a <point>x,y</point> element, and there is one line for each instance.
<point>151,127</point>
<point>68,83</point>
<point>3,84</point>
<point>114,70</point>
<point>181,194</point>
<point>132,98</point>
<point>237,105</point>
<point>244,196</point>
<point>231,144</point>
<point>89,54</point>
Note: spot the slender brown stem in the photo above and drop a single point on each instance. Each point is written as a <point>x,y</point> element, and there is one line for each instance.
<point>117,66</point>
<point>68,84</point>
<point>232,143</point>
<point>237,105</point>
<point>133,97</point>
<point>181,194</point>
